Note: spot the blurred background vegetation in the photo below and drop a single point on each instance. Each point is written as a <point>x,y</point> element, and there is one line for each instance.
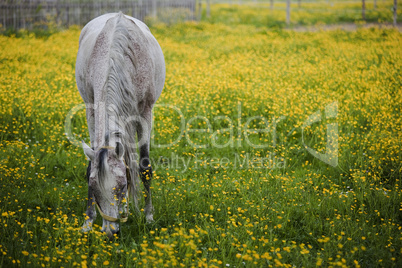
<point>46,16</point>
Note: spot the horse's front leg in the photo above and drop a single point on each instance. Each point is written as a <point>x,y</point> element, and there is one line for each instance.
<point>91,212</point>
<point>145,169</point>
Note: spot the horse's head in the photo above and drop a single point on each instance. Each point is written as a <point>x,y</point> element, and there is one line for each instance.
<point>108,183</point>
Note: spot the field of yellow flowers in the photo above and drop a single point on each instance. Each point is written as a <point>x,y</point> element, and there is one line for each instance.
<point>243,171</point>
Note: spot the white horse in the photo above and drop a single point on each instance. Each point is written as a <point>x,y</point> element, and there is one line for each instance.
<point>120,72</point>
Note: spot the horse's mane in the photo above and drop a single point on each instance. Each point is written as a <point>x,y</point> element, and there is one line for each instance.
<point>119,91</point>
<point>104,183</point>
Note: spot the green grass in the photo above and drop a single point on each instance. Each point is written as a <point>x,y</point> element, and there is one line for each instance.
<point>232,203</point>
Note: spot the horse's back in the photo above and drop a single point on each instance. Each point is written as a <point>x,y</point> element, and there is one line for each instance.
<point>95,26</point>
<point>93,58</point>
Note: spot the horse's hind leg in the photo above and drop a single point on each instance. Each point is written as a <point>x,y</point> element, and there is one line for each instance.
<point>145,169</point>
<point>91,212</point>
<point>146,177</point>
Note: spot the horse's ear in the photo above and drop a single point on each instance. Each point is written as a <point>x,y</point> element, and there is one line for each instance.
<point>119,150</point>
<point>88,151</point>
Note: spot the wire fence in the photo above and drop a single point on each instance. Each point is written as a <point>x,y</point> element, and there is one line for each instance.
<point>29,14</point>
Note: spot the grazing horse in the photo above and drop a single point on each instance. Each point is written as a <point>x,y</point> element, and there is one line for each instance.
<point>120,72</point>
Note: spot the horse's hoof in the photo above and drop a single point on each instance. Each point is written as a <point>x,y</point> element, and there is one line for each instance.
<point>150,219</point>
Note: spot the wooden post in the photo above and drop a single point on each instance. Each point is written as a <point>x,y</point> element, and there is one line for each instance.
<point>14,20</point>
<point>68,16</point>
<point>153,2</point>
<point>194,9</point>
<point>288,12</point>
<point>57,19</point>
<point>272,4</point>
<point>395,5</point>
<point>22,16</point>
<point>364,9</point>
<point>208,9</point>
<point>4,18</point>
<point>199,10</point>
<point>78,14</point>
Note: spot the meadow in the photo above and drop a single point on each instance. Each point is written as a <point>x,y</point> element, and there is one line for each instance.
<point>243,171</point>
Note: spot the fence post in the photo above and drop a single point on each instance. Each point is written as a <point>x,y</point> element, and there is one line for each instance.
<point>395,5</point>
<point>68,15</point>
<point>199,10</point>
<point>288,12</point>
<point>4,18</point>
<point>14,20</point>
<point>153,2</point>
<point>364,9</point>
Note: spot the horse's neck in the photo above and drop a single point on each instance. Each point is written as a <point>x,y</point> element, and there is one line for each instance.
<point>100,120</point>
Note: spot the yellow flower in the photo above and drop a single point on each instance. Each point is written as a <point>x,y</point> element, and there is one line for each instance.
<point>304,251</point>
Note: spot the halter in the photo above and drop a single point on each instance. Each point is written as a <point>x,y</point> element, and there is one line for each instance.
<point>124,217</point>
